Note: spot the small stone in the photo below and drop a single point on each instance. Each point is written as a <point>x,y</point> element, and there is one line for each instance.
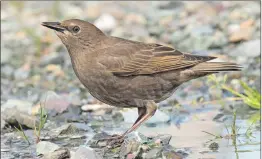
<point>6,55</point>
<point>21,73</point>
<point>67,130</point>
<point>85,153</point>
<point>213,146</point>
<point>95,107</point>
<point>133,18</point>
<point>117,117</point>
<point>62,153</point>
<point>247,49</point>
<point>20,105</point>
<point>3,123</point>
<point>55,69</point>
<point>52,101</point>
<point>202,30</point>
<point>154,153</point>
<point>45,147</point>
<point>130,156</point>
<point>93,11</point>
<point>94,141</point>
<point>241,34</point>
<point>162,139</point>
<point>53,58</point>
<point>7,70</point>
<point>106,22</point>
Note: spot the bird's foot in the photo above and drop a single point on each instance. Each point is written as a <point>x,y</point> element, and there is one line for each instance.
<point>113,141</point>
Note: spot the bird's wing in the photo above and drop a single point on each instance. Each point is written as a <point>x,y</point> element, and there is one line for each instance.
<point>130,59</point>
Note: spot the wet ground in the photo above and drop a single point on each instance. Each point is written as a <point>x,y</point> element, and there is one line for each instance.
<point>36,69</point>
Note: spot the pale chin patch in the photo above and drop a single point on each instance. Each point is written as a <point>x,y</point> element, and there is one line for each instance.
<point>61,35</point>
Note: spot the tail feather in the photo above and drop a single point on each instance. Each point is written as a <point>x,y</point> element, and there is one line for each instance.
<point>214,67</point>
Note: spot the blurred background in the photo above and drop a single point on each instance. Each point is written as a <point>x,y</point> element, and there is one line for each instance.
<point>202,116</point>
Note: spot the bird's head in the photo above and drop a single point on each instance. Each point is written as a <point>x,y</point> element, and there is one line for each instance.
<point>76,33</point>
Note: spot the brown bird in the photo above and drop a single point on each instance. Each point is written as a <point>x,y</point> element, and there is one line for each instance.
<point>125,73</point>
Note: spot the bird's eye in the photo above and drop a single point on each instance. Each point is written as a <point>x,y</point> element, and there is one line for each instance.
<point>76,29</point>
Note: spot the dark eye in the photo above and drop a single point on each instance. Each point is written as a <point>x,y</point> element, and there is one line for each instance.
<point>76,29</point>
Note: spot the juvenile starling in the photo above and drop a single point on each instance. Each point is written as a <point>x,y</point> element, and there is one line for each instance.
<point>127,74</point>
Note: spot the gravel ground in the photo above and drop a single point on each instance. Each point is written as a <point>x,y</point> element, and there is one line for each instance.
<point>36,70</point>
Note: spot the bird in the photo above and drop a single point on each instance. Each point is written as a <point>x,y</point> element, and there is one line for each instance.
<point>130,74</point>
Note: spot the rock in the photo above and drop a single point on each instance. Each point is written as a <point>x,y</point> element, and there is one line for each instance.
<point>154,153</point>
<point>133,18</point>
<point>232,28</point>
<point>85,153</point>
<point>106,22</point>
<point>95,107</point>
<point>202,30</point>
<point>94,141</point>
<point>93,11</point>
<point>62,153</point>
<point>172,155</point>
<point>53,58</point>
<point>155,31</point>
<point>213,146</point>
<point>117,117</point>
<point>65,131</point>
<point>118,32</point>
<point>6,54</point>
<point>242,34</point>
<point>137,31</point>
<point>247,49</point>
<point>131,115</point>
<point>45,147</point>
<point>163,139</point>
<point>129,146</point>
<point>178,36</point>
<point>52,101</point>
<point>75,99</point>
<point>170,5</point>
<point>7,70</point>
<point>75,11</point>
<point>219,39</point>
<point>193,43</point>
<point>54,69</point>
<point>3,123</point>
<point>13,117</point>
<point>15,104</point>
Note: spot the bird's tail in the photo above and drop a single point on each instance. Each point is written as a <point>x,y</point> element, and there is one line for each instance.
<point>215,67</point>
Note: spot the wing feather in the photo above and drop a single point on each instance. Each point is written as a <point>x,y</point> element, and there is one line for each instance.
<point>145,59</point>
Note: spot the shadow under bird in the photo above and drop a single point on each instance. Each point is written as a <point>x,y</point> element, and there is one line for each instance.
<point>130,74</point>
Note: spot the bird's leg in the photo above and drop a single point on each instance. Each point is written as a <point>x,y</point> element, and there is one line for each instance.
<point>144,114</point>
<point>141,113</point>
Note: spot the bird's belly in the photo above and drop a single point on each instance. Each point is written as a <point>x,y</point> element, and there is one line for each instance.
<point>127,91</point>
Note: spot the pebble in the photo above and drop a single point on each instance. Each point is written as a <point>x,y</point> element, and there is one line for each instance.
<point>154,153</point>
<point>14,116</point>
<point>6,55</point>
<point>19,105</point>
<point>134,18</point>
<point>95,107</point>
<point>52,101</point>
<point>52,58</point>
<point>45,147</point>
<point>84,152</point>
<point>106,22</point>
<point>61,153</point>
<point>247,49</point>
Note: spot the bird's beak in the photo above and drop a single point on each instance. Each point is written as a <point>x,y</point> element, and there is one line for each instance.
<point>54,25</point>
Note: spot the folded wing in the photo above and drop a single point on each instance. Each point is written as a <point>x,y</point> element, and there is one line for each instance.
<point>145,59</point>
